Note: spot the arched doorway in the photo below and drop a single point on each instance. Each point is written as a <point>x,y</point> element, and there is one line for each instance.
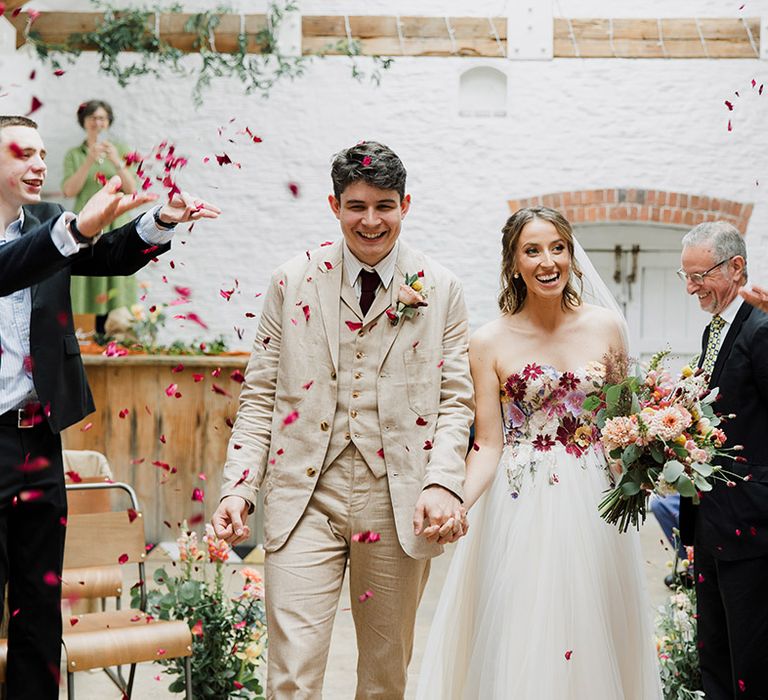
<point>633,238</point>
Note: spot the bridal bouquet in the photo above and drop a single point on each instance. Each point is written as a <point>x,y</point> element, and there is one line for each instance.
<point>661,435</point>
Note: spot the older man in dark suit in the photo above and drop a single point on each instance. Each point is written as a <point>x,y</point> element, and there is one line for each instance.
<point>729,529</point>
<point>43,388</point>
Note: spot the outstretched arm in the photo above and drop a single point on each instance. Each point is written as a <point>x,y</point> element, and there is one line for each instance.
<point>757,296</point>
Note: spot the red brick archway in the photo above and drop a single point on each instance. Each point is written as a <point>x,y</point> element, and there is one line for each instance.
<point>641,206</point>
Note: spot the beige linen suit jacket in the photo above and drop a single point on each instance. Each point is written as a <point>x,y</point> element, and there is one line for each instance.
<point>289,397</point>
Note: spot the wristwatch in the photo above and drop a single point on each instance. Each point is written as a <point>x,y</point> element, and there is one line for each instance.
<point>77,235</point>
<point>162,224</point>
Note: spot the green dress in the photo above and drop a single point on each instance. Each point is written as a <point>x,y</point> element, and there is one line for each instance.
<point>98,295</point>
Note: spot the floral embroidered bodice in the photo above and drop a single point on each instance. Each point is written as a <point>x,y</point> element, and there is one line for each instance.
<point>543,415</point>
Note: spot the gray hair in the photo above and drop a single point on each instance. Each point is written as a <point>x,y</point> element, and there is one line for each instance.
<point>371,162</point>
<point>722,238</point>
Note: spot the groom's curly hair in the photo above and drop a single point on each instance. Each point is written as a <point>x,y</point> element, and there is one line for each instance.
<point>371,162</point>
<point>513,289</point>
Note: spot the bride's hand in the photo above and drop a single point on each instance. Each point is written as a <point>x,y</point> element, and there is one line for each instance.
<point>450,531</point>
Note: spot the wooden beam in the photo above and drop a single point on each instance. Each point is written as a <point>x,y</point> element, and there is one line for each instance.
<point>657,38</point>
<point>417,36</point>
<point>446,36</point>
<point>56,27</point>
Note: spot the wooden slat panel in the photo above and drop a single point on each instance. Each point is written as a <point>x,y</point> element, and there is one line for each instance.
<point>55,27</point>
<point>194,427</point>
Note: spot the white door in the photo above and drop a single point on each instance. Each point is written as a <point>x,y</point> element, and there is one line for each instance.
<point>638,263</point>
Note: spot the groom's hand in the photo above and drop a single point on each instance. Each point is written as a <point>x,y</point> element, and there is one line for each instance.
<point>435,505</point>
<point>229,518</point>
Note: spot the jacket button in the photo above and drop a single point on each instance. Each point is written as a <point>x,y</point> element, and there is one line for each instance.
<point>311,471</point>
<point>355,394</point>
<point>361,333</point>
<point>333,375</point>
<point>353,413</point>
<point>324,425</point>
<point>359,355</point>
<point>358,375</point>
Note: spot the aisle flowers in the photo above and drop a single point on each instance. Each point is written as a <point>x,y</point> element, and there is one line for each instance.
<point>229,634</point>
<point>661,436</point>
<point>676,646</point>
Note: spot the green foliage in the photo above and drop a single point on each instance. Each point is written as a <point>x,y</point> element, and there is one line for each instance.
<point>229,634</point>
<point>123,30</point>
<point>676,643</point>
<point>129,47</point>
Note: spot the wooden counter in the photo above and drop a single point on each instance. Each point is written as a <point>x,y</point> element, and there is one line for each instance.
<point>189,434</point>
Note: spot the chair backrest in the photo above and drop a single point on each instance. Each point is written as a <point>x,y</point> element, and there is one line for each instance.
<point>89,500</point>
<point>102,539</point>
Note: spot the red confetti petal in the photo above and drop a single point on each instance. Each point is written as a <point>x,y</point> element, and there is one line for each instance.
<point>74,620</point>
<point>427,444</point>
<point>243,477</point>
<point>198,495</point>
<point>198,377</point>
<point>421,421</point>
<point>354,325</point>
<point>363,597</point>
<point>122,559</point>
<point>74,477</point>
<point>197,629</point>
<point>294,189</point>
<point>237,376</point>
<point>36,104</point>
<point>216,389</point>
<point>292,417</point>
<point>51,578</point>
<point>568,654</point>
<point>380,452</point>
<point>132,515</point>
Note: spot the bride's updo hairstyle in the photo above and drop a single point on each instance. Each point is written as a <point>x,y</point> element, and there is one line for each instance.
<point>513,289</point>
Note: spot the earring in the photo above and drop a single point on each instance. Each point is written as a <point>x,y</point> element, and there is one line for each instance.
<point>516,275</point>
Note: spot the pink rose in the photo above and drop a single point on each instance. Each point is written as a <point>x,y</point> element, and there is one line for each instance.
<point>410,297</point>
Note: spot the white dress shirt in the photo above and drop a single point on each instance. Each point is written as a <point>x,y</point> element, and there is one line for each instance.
<point>385,268</point>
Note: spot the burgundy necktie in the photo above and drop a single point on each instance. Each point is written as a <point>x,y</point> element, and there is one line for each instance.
<point>369,283</point>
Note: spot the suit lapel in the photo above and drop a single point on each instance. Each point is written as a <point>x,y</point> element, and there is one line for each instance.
<point>349,297</point>
<point>30,221</point>
<point>730,338</point>
<point>328,287</point>
<point>404,259</point>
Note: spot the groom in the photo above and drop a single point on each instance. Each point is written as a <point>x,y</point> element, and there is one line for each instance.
<point>353,424</point>
<point>729,529</point>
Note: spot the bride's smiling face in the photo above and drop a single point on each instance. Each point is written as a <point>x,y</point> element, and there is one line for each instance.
<point>542,259</point>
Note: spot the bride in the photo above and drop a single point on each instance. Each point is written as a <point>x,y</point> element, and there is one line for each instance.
<point>543,600</point>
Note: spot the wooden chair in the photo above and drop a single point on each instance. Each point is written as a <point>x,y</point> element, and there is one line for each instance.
<point>114,638</point>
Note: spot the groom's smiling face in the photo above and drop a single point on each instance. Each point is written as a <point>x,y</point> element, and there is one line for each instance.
<point>370,219</point>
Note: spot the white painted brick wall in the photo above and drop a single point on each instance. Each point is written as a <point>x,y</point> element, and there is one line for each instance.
<point>571,125</point>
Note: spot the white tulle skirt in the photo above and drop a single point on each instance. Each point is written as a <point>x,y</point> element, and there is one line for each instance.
<point>543,600</point>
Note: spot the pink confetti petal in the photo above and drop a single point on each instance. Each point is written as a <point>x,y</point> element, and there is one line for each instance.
<point>122,559</point>
<point>198,495</point>
<point>365,596</point>
<point>51,578</point>
<point>292,417</point>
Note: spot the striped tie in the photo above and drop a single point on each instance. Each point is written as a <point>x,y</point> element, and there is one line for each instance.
<point>713,344</point>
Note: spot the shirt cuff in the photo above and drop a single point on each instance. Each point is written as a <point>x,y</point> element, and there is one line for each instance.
<point>150,232</point>
<point>63,240</point>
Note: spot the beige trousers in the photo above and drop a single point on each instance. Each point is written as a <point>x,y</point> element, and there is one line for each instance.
<point>303,581</point>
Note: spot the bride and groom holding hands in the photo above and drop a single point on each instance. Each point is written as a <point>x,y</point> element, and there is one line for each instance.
<point>354,423</point>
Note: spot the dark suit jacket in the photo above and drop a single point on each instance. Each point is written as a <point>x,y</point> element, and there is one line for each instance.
<point>732,523</point>
<point>34,261</point>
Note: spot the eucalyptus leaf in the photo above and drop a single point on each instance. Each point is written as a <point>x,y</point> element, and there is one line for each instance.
<point>673,470</point>
<point>703,468</point>
<point>685,487</point>
<point>630,488</point>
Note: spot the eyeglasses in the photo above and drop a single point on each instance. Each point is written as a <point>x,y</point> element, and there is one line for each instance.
<point>698,277</point>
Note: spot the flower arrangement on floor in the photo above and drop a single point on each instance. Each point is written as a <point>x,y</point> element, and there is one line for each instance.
<point>661,435</point>
<point>229,635</point>
<point>676,643</point>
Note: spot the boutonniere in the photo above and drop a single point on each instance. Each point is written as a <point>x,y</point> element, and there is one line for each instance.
<point>409,299</point>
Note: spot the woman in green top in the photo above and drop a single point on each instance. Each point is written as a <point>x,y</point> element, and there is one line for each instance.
<point>84,166</point>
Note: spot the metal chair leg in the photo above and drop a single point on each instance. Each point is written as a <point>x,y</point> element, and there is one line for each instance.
<point>129,689</point>
<point>188,678</point>
<point>70,686</point>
